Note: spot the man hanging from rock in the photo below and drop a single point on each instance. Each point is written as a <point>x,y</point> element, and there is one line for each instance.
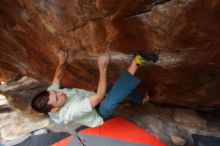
<point>86,107</point>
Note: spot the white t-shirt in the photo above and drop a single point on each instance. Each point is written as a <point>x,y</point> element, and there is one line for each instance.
<point>77,108</point>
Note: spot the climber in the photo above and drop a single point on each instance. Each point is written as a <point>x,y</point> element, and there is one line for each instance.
<point>86,107</point>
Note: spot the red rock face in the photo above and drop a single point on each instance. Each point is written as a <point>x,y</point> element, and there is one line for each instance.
<point>187,33</point>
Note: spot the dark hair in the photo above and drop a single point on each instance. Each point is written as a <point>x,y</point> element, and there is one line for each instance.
<point>39,103</point>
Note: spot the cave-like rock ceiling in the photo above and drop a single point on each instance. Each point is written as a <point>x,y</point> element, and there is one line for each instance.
<point>186,33</point>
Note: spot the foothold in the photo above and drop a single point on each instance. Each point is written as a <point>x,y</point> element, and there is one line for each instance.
<point>152,57</point>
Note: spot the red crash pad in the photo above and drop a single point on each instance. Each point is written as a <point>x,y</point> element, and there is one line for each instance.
<point>119,128</point>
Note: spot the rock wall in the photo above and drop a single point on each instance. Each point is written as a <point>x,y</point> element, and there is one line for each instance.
<point>187,33</point>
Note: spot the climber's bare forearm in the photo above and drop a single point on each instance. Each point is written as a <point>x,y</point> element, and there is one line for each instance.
<point>62,57</point>
<point>103,61</point>
<point>100,94</point>
<point>58,74</point>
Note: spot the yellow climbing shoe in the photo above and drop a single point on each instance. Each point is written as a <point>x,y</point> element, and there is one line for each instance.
<point>145,58</point>
<point>140,60</point>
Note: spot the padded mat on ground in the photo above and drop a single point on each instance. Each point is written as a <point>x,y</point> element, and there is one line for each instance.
<point>114,132</point>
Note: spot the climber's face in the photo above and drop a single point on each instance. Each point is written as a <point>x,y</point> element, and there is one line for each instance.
<point>56,99</point>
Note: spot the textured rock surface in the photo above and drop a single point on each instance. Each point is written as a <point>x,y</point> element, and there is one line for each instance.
<point>189,117</point>
<point>178,140</point>
<point>159,120</point>
<point>187,32</point>
<point>17,124</point>
<point>20,92</point>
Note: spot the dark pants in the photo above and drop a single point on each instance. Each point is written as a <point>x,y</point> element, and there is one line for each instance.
<point>124,86</point>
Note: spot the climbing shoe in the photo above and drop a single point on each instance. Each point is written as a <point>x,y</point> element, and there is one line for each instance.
<point>145,58</point>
